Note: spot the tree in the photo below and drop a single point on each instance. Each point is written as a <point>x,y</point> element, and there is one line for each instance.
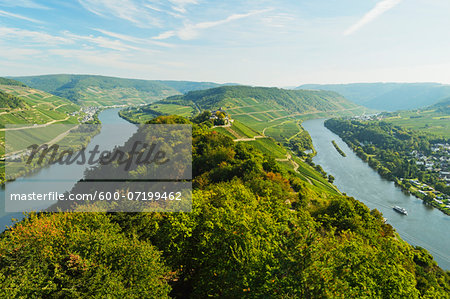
<point>78,255</point>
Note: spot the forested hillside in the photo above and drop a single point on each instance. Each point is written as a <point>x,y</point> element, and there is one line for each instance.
<point>388,96</point>
<point>90,90</point>
<point>6,81</point>
<point>9,101</point>
<point>256,231</point>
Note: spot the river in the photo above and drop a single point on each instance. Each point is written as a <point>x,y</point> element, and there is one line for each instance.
<point>115,131</point>
<point>424,226</point>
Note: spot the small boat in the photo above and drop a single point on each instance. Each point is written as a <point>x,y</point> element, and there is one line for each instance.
<point>400,210</point>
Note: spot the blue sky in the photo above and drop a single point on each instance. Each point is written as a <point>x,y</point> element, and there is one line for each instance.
<point>257,42</point>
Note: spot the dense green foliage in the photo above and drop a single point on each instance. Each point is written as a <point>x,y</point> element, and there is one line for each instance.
<point>78,255</point>
<point>10,101</point>
<point>255,231</point>
<point>341,152</point>
<point>388,96</point>
<point>300,143</point>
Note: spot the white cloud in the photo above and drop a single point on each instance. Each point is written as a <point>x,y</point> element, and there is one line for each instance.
<point>124,9</point>
<point>22,3</point>
<point>191,31</point>
<point>16,16</point>
<point>379,9</point>
<point>132,39</point>
<point>142,13</point>
<point>165,35</point>
<point>40,38</point>
<point>102,42</point>
<point>180,5</point>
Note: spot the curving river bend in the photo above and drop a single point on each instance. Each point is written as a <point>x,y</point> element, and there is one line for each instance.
<point>424,226</point>
<point>115,131</point>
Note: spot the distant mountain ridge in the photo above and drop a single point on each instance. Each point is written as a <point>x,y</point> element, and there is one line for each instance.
<point>93,90</point>
<point>388,96</point>
<point>7,81</point>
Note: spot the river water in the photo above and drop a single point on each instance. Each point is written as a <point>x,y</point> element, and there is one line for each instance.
<point>115,131</point>
<point>424,226</point>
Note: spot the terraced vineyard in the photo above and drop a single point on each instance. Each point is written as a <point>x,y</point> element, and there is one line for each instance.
<point>271,112</point>
<point>267,120</point>
<point>146,113</point>
<point>434,120</point>
<point>39,107</point>
<point>38,115</point>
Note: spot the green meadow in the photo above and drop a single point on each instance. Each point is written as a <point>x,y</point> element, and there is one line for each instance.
<point>427,121</point>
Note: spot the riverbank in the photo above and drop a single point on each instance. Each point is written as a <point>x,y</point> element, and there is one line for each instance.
<point>114,131</point>
<point>390,157</point>
<point>424,226</point>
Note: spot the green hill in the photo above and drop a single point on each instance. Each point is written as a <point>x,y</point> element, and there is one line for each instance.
<point>24,105</point>
<point>267,118</point>
<point>90,90</point>
<point>388,96</point>
<point>263,107</point>
<point>293,100</point>
<point>6,81</point>
<point>269,112</point>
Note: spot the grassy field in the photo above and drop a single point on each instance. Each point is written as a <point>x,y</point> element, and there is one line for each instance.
<point>429,122</point>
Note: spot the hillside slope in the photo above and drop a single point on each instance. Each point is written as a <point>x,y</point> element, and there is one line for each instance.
<point>442,106</point>
<point>263,107</point>
<point>24,105</point>
<point>27,106</point>
<point>434,120</point>
<point>90,90</point>
<point>388,96</point>
<point>263,117</point>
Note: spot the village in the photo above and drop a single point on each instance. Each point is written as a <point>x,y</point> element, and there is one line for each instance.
<point>438,162</point>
